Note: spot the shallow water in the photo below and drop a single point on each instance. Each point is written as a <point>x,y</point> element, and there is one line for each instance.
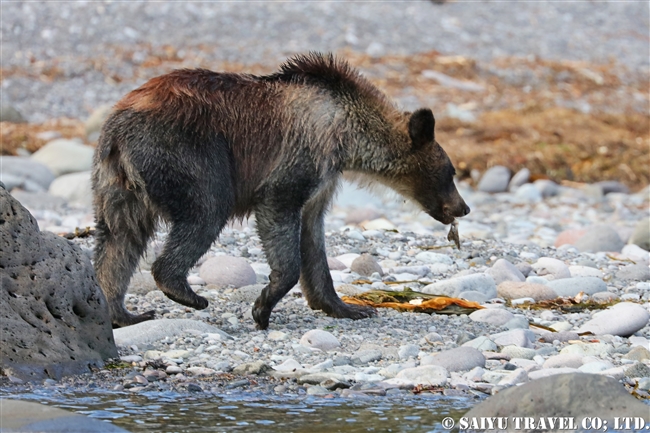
<point>255,412</point>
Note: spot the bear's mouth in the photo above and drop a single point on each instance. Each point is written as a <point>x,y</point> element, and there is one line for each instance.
<point>444,218</point>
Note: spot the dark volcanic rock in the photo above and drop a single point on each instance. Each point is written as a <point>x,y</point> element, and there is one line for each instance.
<point>55,319</point>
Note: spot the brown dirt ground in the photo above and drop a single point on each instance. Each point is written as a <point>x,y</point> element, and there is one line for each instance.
<point>518,125</point>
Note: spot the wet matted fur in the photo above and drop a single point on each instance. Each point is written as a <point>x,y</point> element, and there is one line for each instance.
<point>196,148</point>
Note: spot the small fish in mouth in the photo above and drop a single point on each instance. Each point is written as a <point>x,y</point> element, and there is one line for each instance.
<point>453,234</point>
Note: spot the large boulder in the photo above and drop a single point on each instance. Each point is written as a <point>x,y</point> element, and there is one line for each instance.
<point>572,395</point>
<point>55,319</point>
<point>25,173</point>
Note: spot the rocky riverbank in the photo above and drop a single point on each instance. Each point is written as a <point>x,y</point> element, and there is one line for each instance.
<point>541,241</point>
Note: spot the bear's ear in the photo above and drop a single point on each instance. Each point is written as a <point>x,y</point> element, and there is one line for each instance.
<point>421,126</point>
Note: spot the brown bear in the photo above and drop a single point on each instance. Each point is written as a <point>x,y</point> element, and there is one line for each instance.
<point>196,148</point>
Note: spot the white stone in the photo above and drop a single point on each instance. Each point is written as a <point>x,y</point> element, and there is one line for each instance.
<point>455,286</point>
<point>277,336</point>
<point>517,337</point>
<point>520,178</point>
<point>63,156</point>
<point>481,343</point>
<point>200,371</point>
<point>516,377</point>
<point>289,364</point>
<point>378,224</point>
<point>528,193</point>
<point>585,271</point>
<point>195,280</point>
<point>503,270</point>
<point>635,253</point>
<point>571,287</point>
<point>564,360</point>
<point>616,372</point>
<point>551,268</point>
<point>227,271</point>
<point>587,349</point>
<point>494,180</point>
<point>319,339</point>
<point>131,358</point>
<point>74,187</point>
<point>494,316</point>
<point>356,235</point>
<point>623,319</point>
<point>430,257</point>
<point>561,326</point>
<point>518,352</point>
<point>153,331</point>
<point>407,351</point>
<point>596,367</point>
<point>432,375</point>
<point>347,259</point>
<point>364,377</point>
<point>176,354</point>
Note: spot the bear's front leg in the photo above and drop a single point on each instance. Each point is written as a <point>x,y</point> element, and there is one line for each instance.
<point>279,230</point>
<point>315,277</point>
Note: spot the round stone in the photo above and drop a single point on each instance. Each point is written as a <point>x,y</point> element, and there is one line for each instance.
<point>429,257</point>
<point>623,319</point>
<point>227,271</point>
<point>458,359</point>
<point>520,178</point>
<point>453,287</point>
<point>63,156</point>
<point>407,351</point>
<point>494,316</point>
<point>335,264</point>
<point>564,360</point>
<point>503,270</point>
<point>637,272</point>
<point>600,238</point>
<point>433,375</point>
<point>516,337</point>
<point>587,349</point>
<point>319,339</point>
<point>570,287</point>
<point>528,193</point>
<point>495,180</point>
<point>366,265</point>
<point>551,268</point>
<point>516,290</point>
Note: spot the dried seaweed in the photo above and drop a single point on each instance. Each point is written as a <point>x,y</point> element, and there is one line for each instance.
<point>410,300</point>
<point>567,305</point>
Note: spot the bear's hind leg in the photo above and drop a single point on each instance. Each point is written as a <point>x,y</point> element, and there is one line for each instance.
<point>188,239</point>
<point>116,258</point>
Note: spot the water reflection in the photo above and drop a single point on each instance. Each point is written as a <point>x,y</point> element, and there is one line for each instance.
<point>191,413</point>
